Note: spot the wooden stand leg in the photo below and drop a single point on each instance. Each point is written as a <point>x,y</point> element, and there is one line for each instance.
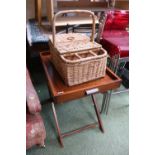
<point>57,125</point>
<point>97,113</point>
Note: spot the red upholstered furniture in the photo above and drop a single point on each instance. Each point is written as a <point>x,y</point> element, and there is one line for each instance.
<point>35,130</point>
<point>114,35</point>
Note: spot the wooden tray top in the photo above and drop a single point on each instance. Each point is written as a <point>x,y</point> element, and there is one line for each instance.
<point>62,92</point>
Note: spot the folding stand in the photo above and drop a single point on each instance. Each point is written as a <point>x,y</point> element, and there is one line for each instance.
<point>61,93</point>
<point>62,135</point>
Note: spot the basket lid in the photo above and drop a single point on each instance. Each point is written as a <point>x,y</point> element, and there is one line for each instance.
<point>73,42</point>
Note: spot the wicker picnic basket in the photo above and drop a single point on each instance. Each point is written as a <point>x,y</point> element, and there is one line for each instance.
<point>76,57</point>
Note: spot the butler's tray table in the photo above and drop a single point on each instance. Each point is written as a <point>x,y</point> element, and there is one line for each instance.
<point>62,93</point>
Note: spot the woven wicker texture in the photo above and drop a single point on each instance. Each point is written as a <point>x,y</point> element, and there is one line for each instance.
<point>77,57</point>
<point>77,68</point>
<point>73,42</point>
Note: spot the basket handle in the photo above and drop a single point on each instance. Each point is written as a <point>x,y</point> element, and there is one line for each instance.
<point>74,11</point>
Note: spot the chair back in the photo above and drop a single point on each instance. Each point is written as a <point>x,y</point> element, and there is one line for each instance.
<point>116,20</point>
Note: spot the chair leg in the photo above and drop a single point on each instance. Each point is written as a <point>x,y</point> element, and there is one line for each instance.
<point>112,64</point>
<point>38,10</point>
<point>104,102</point>
<point>42,145</point>
<point>67,28</point>
<point>116,67</point>
<point>108,102</point>
<point>57,125</point>
<point>97,113</point>
<point>114,61</point>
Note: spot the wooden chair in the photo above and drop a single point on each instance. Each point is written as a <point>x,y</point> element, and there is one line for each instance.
<point>49,9</point>
<point>68,20</point>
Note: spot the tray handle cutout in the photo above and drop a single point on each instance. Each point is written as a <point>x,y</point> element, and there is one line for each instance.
<point>92,91</point>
